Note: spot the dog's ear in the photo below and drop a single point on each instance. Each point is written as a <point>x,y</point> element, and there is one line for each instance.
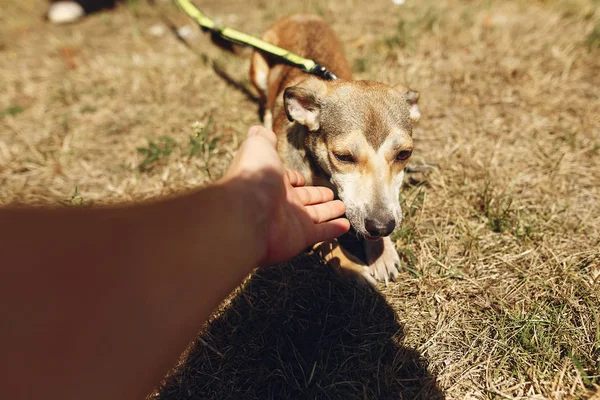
<point>412,98</point>
<point>303,103</point>
<point>302,106</point>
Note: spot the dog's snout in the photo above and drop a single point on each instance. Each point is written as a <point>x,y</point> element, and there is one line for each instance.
<point>380,228</point>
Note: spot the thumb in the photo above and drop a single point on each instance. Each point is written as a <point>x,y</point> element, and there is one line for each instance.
<point>261,131</point>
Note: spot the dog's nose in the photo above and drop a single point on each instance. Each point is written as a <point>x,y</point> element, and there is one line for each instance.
<point>380,228</point>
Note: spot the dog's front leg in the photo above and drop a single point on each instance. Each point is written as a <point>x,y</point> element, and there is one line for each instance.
<point>383,259</point>
<point>344,263</point>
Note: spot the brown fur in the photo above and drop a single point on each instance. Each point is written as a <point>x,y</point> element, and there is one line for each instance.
<point>319,122</point>
<point>311,38</point>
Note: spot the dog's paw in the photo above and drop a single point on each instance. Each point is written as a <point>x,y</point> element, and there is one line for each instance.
<point>344,264</point>
<point>383,260</point>
<point>361,274</point>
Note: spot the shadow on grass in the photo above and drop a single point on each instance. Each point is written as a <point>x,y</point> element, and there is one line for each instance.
<point>296,331</point>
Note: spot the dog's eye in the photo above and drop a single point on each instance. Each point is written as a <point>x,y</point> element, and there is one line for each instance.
<point>345,158</point>
<point>403,155</point>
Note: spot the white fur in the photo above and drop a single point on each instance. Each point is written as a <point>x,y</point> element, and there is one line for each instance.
<point>261,78</point>
<point>268,120</point>
<point>415,113</point>
<point>383,259</point>
<point>352,189</point>
<point>308,117</point>
<point>359,190</point>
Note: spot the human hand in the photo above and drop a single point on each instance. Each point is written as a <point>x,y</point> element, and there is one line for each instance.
<point>289,215</point>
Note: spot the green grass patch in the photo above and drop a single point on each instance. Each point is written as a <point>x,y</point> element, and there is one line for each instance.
<point>360,64</point>
<point>88,109</point>
<point>593,40</point>
<point>408,31</point>
<point>544,337</point>
<point>13,110</point>
<point>202,145</point>
<point>200,142</point>
<point>155,152</point>
<point>403,37</point>
<point>497,208</point>
<point>76,199</point>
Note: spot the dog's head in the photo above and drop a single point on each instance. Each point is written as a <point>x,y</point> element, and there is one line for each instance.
<point>360,136</point>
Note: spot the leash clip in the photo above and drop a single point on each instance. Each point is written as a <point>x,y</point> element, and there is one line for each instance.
<point>322,72</point>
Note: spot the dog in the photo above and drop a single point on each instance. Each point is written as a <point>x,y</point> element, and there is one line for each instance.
<point>354,137</point>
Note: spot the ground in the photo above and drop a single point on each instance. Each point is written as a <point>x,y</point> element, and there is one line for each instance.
<point>500,288</point>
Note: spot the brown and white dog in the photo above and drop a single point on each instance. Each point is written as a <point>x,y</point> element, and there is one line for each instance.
<point>352,136</point>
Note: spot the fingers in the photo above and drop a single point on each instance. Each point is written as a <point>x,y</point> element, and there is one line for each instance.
<point>313,195</point>
<point>330,230</point>
<point>295,177</point>
<point>325,211</point>
<point>263,132</point>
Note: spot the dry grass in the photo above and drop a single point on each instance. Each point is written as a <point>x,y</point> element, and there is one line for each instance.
<point>500,293</point>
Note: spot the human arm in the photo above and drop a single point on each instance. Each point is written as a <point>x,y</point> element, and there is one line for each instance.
<point>99,303</point>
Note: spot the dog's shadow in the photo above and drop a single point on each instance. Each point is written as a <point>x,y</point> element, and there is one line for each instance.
<point>296,331</point>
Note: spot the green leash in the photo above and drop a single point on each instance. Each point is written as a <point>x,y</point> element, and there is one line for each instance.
<point>231,35</point>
